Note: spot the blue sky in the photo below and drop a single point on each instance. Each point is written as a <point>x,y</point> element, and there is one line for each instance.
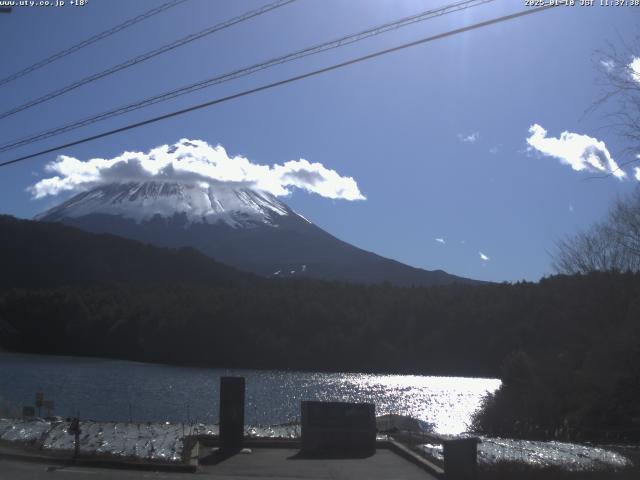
<point>397,125</point>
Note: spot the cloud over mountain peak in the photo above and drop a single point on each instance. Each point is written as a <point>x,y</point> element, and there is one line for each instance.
<point>195,161</point>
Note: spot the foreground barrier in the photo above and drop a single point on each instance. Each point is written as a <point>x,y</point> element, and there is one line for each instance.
<point>231,413</point>
<point>461,458</point>
<point>336,428</point>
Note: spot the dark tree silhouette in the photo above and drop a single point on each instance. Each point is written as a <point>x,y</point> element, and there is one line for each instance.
<point>610,245</point>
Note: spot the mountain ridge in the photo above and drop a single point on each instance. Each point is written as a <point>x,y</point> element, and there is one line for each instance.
<point>239,226</point>
<point>37,254</point>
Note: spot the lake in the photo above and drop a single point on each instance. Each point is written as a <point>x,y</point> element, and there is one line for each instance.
<point>117,390</point>
<point>105,390</point>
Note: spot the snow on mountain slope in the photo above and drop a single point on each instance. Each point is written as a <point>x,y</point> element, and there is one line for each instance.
<point>243,227</point>
<point>200,202</point>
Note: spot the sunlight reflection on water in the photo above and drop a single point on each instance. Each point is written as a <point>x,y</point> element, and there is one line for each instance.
<point>447,403</point>
<point>115,390</point>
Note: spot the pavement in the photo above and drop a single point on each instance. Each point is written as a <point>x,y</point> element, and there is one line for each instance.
<point>256,463</point>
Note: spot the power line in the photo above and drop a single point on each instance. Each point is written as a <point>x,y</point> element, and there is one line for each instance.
<point>146,56</point>
<point>245,71</point>
<point>286,81</point>
<point>91,40</point>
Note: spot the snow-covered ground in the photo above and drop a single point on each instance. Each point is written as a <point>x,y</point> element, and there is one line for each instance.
<point>154,441</point>
<point>162,442</point>
<point>568,456</point>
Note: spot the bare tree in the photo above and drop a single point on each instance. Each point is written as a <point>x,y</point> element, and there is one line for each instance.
<point>625,226</point>
<point>612,245</point>
<point>619,81</point>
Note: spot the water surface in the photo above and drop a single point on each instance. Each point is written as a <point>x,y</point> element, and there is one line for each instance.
<point>117,390</point>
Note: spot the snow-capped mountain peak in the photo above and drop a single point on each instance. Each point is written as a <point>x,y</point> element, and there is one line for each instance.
<point>239,225</point>
<point>200,202</point>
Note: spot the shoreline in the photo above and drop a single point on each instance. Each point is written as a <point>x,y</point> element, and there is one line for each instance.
<point>173,443</point>
<point>250,368</point>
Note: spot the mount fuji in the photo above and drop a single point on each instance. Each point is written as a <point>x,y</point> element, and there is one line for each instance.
<point>240,226</point>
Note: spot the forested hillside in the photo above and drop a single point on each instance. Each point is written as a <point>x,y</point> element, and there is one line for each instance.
<point>42,255</point>
<point>567,347</point>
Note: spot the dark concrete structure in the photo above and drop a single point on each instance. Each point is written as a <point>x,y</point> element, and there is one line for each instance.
<point>231,413</point>
<point>262,463</point>
<point>338,429</point>
<point>461,458</point>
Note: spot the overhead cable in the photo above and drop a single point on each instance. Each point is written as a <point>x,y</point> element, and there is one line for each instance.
<point>313,73</point>
<point>146,56</point>
<point>315,49</point>
<point>100,36</point>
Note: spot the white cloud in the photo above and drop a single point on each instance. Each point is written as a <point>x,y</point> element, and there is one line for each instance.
<point>637,170</point>
<point>471,138</point>
<point>494,150</point>
<point>634,69</point>
<point>440,240</point>
<point>571,208</point>
<point>581,152</point>
<point>483,257</point>
<point>198,162</point>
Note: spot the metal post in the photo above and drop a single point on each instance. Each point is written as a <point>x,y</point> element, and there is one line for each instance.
<point>74,429</point>
<point>39,400</point>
